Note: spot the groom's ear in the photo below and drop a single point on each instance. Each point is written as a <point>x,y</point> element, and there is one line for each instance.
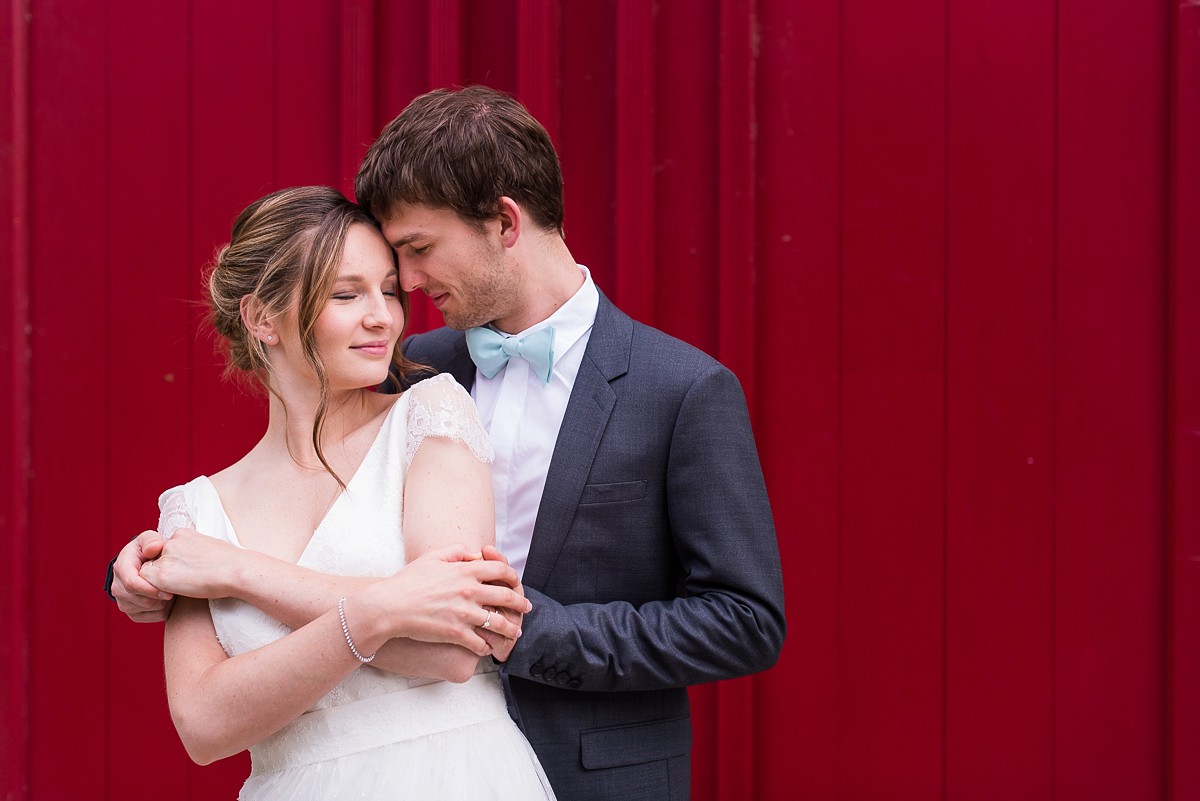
<point>511,219</point>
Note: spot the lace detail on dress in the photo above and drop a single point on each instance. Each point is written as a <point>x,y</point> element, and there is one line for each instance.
<point>173,513</point>
<point>440,407</point>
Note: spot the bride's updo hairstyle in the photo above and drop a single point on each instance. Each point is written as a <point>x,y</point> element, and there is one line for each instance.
<point>284,253</point>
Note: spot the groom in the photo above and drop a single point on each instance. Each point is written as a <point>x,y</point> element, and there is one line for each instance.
<point>628,488</point>
<point>627,484</point>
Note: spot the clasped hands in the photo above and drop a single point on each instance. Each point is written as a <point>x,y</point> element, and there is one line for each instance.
<point>444,596</point>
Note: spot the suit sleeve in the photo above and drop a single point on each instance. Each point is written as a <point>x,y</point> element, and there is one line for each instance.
<point>728,617</point>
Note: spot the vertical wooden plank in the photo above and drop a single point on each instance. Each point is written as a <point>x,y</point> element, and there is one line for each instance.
<point>15,402</point>
<point>585,143</point>
<point>634,223</point>
<point>233,101</point>
<point>148,356</point>
<point>1109,396</point>
<point>892,471</point>
<point>234,135</point>
<point>68,434</point>
<point>736,279</point>
<point>683,268</point>
<point>798,244</point>
<point>539,63</point>
<point>306,75</point>
<point>490,31</point>
<point>1183,692</point>
<point>737,132</point>
<point>686,152</point>
<point>400,74</point>
<point>445,43</point>
<point>358,66</point>
<point>999,415</point>
<point>444,66</point>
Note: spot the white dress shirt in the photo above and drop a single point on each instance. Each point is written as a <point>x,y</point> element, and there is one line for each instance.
<point>523,416</point>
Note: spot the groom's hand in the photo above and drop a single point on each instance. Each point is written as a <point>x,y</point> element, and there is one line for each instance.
<point>195,566</point>
<point>136,597</point>
<point>502,646</point>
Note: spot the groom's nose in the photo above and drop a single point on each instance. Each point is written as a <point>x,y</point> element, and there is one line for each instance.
<point>411,279</point>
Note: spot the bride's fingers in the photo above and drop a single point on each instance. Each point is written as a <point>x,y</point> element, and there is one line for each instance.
<point>502,644</point>
<point>498,623</point>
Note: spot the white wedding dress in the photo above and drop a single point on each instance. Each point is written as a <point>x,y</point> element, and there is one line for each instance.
<point>375,735</point>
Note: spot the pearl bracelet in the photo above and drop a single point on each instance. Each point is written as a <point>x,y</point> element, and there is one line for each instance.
<point>346,630</point>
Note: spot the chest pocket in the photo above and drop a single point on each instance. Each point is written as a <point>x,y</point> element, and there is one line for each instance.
<point>613,493</point>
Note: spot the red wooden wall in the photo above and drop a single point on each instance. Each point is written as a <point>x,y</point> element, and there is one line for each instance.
<point>951,248</point>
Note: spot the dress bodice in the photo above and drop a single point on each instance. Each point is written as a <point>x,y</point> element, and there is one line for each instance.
<point>361,533</point>
<point>376,735</point>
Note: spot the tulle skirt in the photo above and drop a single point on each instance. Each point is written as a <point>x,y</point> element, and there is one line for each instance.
<point>434,741</point>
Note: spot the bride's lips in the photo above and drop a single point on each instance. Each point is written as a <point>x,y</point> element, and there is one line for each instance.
<point>373,348</point>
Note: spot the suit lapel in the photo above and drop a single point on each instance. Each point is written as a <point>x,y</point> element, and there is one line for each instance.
<point>588,410</point>
<point>461,366</point>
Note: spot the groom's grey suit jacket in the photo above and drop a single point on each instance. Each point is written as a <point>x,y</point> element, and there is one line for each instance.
<point>653,565</point>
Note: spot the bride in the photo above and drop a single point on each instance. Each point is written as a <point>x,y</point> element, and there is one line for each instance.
<point>372,687</point>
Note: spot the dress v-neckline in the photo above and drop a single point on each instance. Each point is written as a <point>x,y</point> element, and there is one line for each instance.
<point>375,445</point>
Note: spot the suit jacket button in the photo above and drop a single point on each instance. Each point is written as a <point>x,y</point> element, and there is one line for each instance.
<point>562,678</point>
<point>574,683</point>
<point>549,673</point>
<point>537,669</point>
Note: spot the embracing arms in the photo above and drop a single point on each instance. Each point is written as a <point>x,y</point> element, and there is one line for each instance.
<point>222,705</point>
<point>683,583</point>
<point>424,619</point>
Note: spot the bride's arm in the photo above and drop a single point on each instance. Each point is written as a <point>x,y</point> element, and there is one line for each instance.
<point>448,502</point>
<point>222,705</point>
<point>453,594</point>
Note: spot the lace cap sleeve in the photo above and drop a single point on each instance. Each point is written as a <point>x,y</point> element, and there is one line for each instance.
<point>439,407</point>
<point>173,513</point>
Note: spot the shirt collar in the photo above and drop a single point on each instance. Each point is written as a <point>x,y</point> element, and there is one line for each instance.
<point>574,318</point>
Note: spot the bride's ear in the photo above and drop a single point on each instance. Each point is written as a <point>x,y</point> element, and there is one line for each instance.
<point>259,325</point>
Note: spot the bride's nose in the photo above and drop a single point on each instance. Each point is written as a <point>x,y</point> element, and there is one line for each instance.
<point>378,315</point>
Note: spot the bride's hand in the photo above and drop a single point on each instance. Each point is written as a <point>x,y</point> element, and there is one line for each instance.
<point>446,596</point>
<point>194,565</point>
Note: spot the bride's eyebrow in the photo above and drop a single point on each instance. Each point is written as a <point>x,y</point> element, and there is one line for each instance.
<point>362,279</point>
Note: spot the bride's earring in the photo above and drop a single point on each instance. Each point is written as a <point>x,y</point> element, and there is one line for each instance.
<point>270,337</point>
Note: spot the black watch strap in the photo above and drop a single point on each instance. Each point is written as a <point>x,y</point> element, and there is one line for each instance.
<point>109,580</point>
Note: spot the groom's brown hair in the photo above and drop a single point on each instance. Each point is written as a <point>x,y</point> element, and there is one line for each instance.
<point>464,150</point>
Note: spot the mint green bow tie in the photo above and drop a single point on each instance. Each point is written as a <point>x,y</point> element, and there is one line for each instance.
<point>491,350</point>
